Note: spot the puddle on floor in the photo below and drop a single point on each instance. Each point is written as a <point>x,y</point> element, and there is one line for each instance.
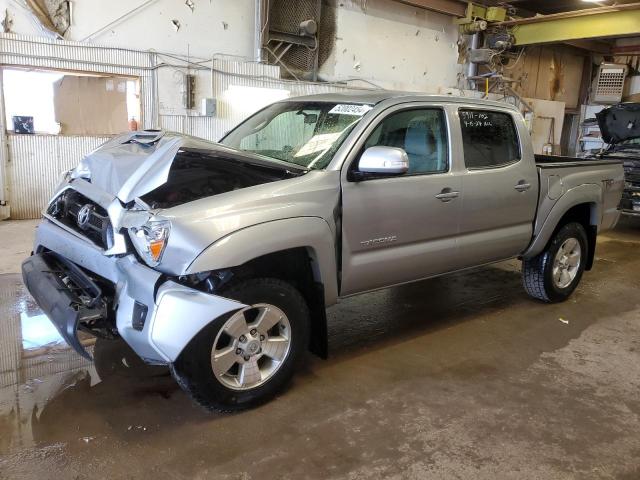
<point>49,393</point>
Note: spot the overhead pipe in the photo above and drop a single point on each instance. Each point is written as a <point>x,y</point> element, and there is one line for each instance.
<point>261,23</point>
<point>472,68</point>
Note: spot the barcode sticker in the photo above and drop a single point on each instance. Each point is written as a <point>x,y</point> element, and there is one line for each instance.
<point>348,109</point>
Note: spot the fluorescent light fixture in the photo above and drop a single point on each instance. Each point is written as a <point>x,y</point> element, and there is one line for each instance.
<point>247,100</point>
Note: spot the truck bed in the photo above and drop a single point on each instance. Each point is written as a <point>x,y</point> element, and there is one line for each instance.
<point>558,175</point>
<point>557,161</point>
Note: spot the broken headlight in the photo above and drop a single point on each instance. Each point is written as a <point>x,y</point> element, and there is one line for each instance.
<point>150,240</point>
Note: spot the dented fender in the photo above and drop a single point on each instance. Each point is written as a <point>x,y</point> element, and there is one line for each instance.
<point>181,313</point>
<point>242,246</point>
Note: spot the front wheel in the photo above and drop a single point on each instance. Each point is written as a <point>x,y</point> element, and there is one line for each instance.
<point>243,359</point>
<point>554,274</point>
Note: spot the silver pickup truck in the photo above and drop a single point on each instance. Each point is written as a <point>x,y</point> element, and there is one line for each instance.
<point>220,259</point>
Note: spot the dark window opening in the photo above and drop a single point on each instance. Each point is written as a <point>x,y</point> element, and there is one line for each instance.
<point>489,138</point>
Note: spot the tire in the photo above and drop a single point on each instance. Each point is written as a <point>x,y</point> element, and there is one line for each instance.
<point>538,272</point>
<point>236,389</point>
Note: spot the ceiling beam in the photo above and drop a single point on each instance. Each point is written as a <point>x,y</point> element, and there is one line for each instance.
<point>603,22</point>
<point>595,46</point>
<point>454,8</point>
<point>626,50</point>
<point>572,14</point>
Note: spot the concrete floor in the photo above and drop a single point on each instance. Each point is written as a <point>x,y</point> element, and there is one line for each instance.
<point>457,377</point>
<point>16,242</point>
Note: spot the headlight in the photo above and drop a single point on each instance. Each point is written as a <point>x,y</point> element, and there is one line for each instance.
<point>150,240</point>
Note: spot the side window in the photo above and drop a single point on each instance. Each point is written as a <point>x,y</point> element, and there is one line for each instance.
<point>489,138</point>
<point>422,133</point>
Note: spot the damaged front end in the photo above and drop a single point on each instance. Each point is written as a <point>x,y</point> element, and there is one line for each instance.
<point>81,289</point>
<point>71,298</point>
<point>620,129</point>
<point>98,263</point>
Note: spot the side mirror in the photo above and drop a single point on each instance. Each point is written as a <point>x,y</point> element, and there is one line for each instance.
<point>381,161</point>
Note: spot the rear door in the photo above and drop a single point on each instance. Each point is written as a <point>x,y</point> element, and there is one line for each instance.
<point>402,228</point>
<point>499,188</point>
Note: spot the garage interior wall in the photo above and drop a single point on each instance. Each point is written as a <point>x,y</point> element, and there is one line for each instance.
<point>33,163</point>
<point>218,34</point>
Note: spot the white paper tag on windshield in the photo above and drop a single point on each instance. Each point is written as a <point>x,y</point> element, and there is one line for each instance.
<point>347,109</point>
<point>318,143</point>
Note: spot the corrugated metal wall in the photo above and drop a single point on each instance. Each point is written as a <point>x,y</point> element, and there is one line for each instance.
<point>227,73</point>
<point>34,162</point>
<point>35,165</point>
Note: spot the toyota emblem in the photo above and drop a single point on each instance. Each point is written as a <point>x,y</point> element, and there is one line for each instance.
<point>84,215</point>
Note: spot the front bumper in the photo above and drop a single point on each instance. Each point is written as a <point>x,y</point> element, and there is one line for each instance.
<point>155,316</point>
<point>60,303</point>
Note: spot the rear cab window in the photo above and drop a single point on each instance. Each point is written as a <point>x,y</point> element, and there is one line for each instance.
<point>489,138</point>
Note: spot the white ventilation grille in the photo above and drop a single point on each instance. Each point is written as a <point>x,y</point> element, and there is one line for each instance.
<point>610,83</point>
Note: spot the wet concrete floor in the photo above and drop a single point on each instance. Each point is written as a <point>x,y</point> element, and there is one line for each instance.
<point>456,377</point>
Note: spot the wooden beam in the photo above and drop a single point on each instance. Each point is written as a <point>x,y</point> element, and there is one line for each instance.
<point>454,8</point>
<point>626,50</point>
<point>591,45</point>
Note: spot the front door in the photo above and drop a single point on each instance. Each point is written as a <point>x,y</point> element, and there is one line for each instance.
<point>403,228</point>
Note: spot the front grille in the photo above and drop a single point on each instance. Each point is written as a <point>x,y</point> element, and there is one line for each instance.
<point>84,216</point>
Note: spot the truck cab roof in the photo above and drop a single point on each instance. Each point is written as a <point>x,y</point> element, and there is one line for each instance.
<point>373,97</point>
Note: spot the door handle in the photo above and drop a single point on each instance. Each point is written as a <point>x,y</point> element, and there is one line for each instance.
<point>447,195</point>
<point>522,186</point>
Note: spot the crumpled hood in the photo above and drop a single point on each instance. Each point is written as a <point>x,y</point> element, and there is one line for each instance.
<point>134,164</point>
<point>619,122</point>
<point>128,169</point>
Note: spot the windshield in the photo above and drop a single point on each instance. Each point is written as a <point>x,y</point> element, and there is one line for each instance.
<point>304,133</point>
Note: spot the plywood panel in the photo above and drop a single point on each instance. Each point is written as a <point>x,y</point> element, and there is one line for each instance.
<point>526,72</point>
<point>550,73</point>
<point>572,77</point>
<point>91,105</point>
<point>547,73</point>
<point>544,110</point>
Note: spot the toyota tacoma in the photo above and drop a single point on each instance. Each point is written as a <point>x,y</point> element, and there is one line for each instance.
<point>220,259</point>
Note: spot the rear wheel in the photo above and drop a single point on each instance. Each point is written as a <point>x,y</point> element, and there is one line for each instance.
<point>243,359</point>
<point>554,274</point>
